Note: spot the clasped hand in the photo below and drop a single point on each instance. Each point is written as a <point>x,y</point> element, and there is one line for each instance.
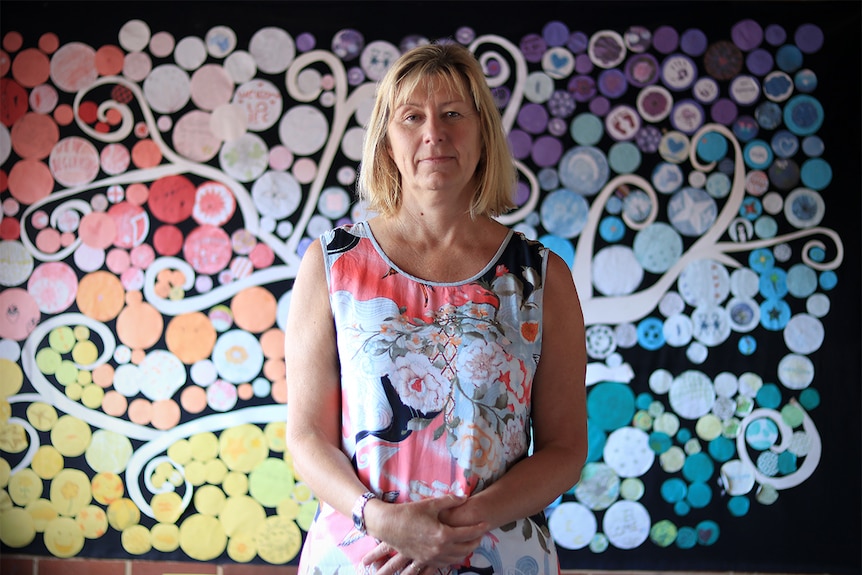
<point>419,537</point>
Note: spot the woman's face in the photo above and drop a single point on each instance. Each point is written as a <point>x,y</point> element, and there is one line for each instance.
<point>434,140</point>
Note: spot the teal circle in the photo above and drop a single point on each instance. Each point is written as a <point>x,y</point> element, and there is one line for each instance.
<point>758,154</point>
<point>750,208</point>
<point>718,185</point>
<point>587,129</point>
<point>765,227</point>
<point>722,449</point>
<point>787,463</point>
<point>682,508</point>
<point>659,442</point>
<point>624,157</point>
<point>596,439</point>
<point>673,490</point>
<point>828,280</point>
<point>707,532</point>
<point>769,396</point>
<point>686,537</point>
<point>560,246</point>
<point>612,229</point>
<point>711,147</point>
<point>698,467</point>
<point>683,435</point>
<point>788,58</point>
<point>643,401</point>
<point>803,115</point>
<point>699,495</point>
<point>611,405</point>
<point>738,506</point>
<point>809,398</point>
<point>801,281</point>
<point>816,173</point>
<point>747,345</point>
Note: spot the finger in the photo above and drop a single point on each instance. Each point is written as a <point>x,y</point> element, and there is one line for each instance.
<point>382,551</point>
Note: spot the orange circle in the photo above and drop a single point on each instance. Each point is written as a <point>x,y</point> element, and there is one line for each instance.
<point>31,67</point>
<point>100,295</point>
<point>279,391</point>
<point>272,343</point>
<point>274,369</point>
<point>30,181</point>
<point>166,414</point>
<point>64,114</point>
<point>245,391</point>
<point>140,325</point>
<point>34,135</point>
<point>137,194</point>
<point>103,375</point>
<point>97,230</point>
<point>254,309</point>
<point>49,42</point>
<point>193,399</point>
<point>190,336</point>
<point>146,154</point>
<point>114,403</point>
<point>13,41</point>
<point>141,411</point>
<point>138,356</point>
<point>109,60</point>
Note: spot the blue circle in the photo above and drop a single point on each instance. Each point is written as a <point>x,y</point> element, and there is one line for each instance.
<point>757,154</point>
<point>584,169</point>
<point>768,396</point>
<point>816,173</point>
<point>774,314</point>
<point>813,146</point>
<point>667,178</point>
<point>555,33</point>
<point>698,467</point>
<point>673,490</point>
<point>560,246</point>
<point>828,280</point>
<point>773,283</point>
<point>707,532</point>
<point>750,208</point>
<point>548,179</point>
<point>611,405</point>
<point>803,114</point>
<point>785,144</point>
<point>722,449</point>
<point>686,537</point>
<point>788,58</point>
<point>712,147</point>
<point>699,495</point>
<point>738,505</point>
<point>745,128</point>
<point>651,333</point>
<point>612,229</point>
<point>805,81</point>
<point>564,213</point>
<point>768,115</point>
<point>747,345</point>
<point>761,260</point>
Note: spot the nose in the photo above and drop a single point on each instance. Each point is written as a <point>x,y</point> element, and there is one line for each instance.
<point>435,130</point>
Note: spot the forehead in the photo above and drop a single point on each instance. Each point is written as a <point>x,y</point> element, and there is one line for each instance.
<point>418,88</point>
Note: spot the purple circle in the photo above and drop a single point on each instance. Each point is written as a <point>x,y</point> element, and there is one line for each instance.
<point>501,96</point>
<point>533,118</point>
<point>355,76</point>
<point>583,64</point>
<point>694,42</point>
<point>642,70</point>
<point>547,151</point>
<point>492,67</point>
<point>533,47</point>
<point>759,62</point>
<point>775,35</point>
<point>561,104</point>
<point>747,34</point>
<point>522,193</point>
<point>555,33</point>
<point>600,106</point>
<point>578,42</point>
<point>723,111</point>
<point>612,83</point>
<point>665,39</point>
<point>305,42</point>
<point>520,143</point>
<point>347,44</point>
<point>582,88</point>
<point>809,38</point>
<point>465,34</point>
<point>557,126</point>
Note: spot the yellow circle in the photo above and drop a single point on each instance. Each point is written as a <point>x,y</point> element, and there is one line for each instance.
<point>307,511</point>
<point>180,451</point>
<point>275,433</point>
<point>196,473</point>
<point>85,353</point>
<point>708,427</point>
<point>17,528</point>
<point>85,377</point>
<point>61,339</point>
<point>71,436</point>
<point>93,521</point>
<point>74,391</point>
<point>123,513</point>
<point>70,491</point>
<point>48,360</point>
<point>215,471</point>
<point>63,537</point>
<point>165,537</point>
<point>5,502</point>
<point>672,460</point>
<point>165,469</point>
<point>167,506</point>
<point>271,482</point>
<point>13,438</point>
<point>5,411</point>
<point>209,500</point>
<point>278,540</point>
<point>107,487</point>
<point>288,508</point>
<point>136,540</point>
<point>43,512</point>
<point>47,462</point>
<point>11,377</point>
<point>235,483</point>
<point>82,332</point>
<point>5,472</point>
<point>67,372</point>
<point>204,446</point>
<point>202,537</point>
<point>41,415</point>
<point>25,486</point>
<point>241,548</point>
<point>302,492</point>
<point>243,447</point>
<point>108,451</point>
<point>241,514</point>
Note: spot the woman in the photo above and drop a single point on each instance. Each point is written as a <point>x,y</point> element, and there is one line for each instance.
<point>428,346</point>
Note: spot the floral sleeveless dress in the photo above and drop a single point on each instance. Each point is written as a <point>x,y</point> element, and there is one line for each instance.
<point>436,381</point>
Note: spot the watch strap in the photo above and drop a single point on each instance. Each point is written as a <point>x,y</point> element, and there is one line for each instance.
<point>359,510</point>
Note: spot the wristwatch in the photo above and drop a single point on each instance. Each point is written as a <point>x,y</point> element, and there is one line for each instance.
<point>359,511</point>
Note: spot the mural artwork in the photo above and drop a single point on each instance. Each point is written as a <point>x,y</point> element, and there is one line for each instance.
<point>159,189</point>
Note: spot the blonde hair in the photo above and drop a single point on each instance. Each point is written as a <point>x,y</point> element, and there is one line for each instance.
<point>379,182</point>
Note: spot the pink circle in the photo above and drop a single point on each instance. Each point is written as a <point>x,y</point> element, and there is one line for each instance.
<point>117,260</point>
<point>53,286</point>
<point>137,194</point>
<point>67,239</point>
<point>48,240</point>
<point>74,161</point>
<point>11,207</point>
<point>142,256</point>
<point>304,170</point>
<point>211,86</point>
<point>39,220</point>
<point>221,395</point>
<point>207,249</point>
<point>115,159</point>
<point>214,204</point>
<point>261,256</point>
<point>137,66</point>
<point>280,158</point>
<point>162,44</point>
<point>19,314</point>
<point>73,67</point>
<point>132,223</point>
<point>43,99</point>
<point>132,279</point>
<point>193,137</point>
<point>97,230</point>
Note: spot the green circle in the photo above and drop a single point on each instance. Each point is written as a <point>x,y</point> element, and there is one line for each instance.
<point>67,372</point>
<point>48,360</point>
<point>587,129</point>
<point>632,489</point>
<point>663,533</point>
<point>624,157</point>
<point>792,415</point>
<point>62,339</point>
<point>271,482</point>
<point>599,543</point>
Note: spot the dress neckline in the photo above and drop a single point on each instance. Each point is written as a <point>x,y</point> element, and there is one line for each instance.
<point>366,232</point>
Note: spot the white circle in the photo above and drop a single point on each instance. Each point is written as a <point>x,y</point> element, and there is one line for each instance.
<point>127,380</point>
<point>745,90</point>
<point>744,283</point>
<point>203,372</point>
<point>572,525</point>
<point>660,381</point>
<point>697,353</point>
<point>678,330</point>
<point>245,158</point>
<point>240,66</point>
<point>626,524</point>
<point>276,194</point>
<point>616,271</point>
<point>539,87</point>
<point>737,478</point>
<point>167,88</point>
<point>818,305</point>
<point>303,130</point>
<point>725,384</point>
<point>671,304</point>
<point>190,53</point>
<point>795,371</point>
<point>804,334</point>
<point>376,58</point>
<point>691,394</point>
<point>273,50</point>
<point>220,41</point>
<point>711,324</point>
<point>627,452</point>
<point>749,384</point>
<point>351,143</point>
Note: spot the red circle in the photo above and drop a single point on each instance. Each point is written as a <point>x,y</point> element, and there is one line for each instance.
<point>13,101</point>
<point>168,240</point>
<point>172,199</point>
<point>10,229</point>
<point>261,256</point>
